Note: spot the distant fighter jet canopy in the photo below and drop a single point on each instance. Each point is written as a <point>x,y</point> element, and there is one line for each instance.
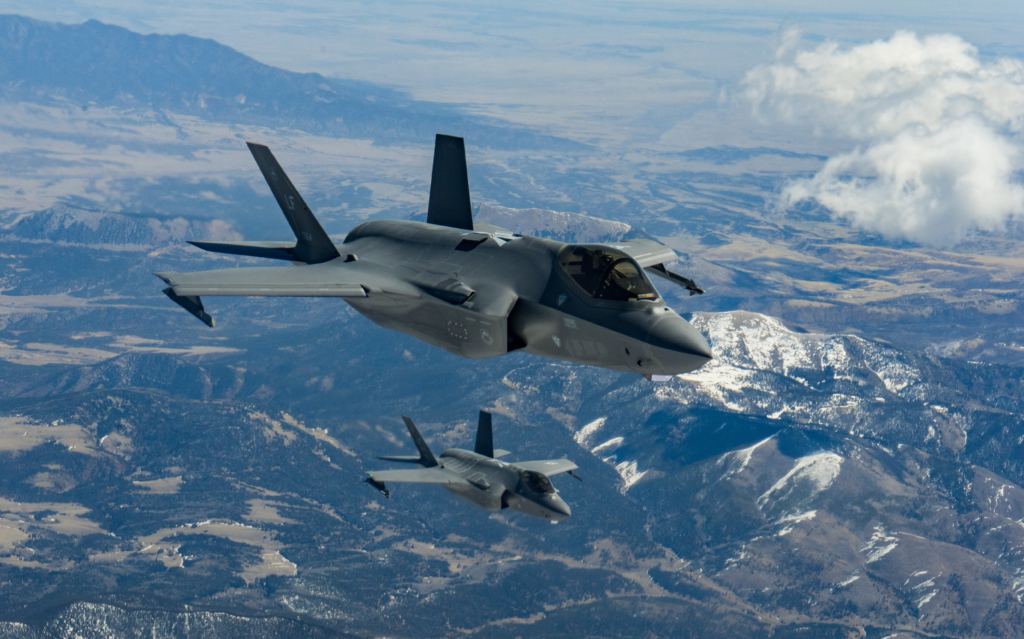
<point>537,482</point>
<point>605,273</point>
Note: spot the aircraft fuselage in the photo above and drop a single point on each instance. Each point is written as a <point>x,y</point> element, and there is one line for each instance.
<point>478,297</point>
<point>494,484</point>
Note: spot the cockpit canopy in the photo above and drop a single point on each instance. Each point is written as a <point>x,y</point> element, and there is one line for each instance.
<point>537,482</point>
<point>605,273</point>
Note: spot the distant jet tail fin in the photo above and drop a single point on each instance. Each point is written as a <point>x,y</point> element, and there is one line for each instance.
<point>426,457</point>
<point>313,245</point>
<point>484,436</point>
<point>449,185</point>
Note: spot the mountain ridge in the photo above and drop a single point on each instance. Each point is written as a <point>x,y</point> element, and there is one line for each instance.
<point>94,63</point>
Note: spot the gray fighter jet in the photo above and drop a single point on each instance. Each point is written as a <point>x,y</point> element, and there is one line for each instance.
<point>474,290</point>
<point>479,477</point>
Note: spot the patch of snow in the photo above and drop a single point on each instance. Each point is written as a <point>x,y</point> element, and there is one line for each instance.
<point>584,434</point>
<point>807,516</point>
<point>848,581</point>
<point>1001,494</point>
<point>820,469</point>
<point>894,374</point>
<point>614,442</point>
<point>629,473</point>
<point>1018,586</point>
<point>744,455</point>
<point>715,378</point>
<point>923,600</point>
<point>792,520</point>
<point>880,545</point>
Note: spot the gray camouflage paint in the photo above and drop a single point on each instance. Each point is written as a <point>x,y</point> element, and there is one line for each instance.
<point>475,293</point>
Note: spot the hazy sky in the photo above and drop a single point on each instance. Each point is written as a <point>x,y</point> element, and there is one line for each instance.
<point>917,104</point>
<point>605,69</point>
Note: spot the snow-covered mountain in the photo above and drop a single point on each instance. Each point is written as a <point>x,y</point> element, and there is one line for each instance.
<point>826,475</point>
<point>841,384</point>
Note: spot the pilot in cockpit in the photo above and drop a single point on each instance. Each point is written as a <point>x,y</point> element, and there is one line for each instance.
<point>537,482</point>
<point>606,274</point>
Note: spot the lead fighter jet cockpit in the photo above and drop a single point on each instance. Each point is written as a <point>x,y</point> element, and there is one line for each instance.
<point>605,273</point>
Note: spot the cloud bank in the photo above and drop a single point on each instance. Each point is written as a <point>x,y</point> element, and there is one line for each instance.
<point>936,132</point>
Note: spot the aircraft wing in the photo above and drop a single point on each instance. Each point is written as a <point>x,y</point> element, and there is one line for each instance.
<point>329,279</point>
<point>548,466</point>
<point>436,475</point>
<point>272,281</point>
<point>646,252</point>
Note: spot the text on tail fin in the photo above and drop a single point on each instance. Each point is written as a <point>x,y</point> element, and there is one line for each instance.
<point>313,245</point>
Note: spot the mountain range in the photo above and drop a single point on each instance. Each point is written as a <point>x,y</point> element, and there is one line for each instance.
<point>843,467</point>
<point>100,65</point>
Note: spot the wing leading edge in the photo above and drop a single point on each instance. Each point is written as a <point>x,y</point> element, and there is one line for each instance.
<point>266,281</point>
<point>435,475</point>
<point>547,466</point>
<point>333,279</point>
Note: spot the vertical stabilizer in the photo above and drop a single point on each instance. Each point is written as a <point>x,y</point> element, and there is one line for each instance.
<point>484,436</point>
<point>449,185</point>
<point>427,459</point>
<point>312,245</point>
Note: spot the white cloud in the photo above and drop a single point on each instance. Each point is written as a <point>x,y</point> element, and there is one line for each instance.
<point>936,131</point>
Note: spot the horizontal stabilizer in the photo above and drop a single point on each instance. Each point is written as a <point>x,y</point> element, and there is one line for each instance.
<point>412,459</point>
<point>449,185</point>
<point>192,304</point>
<point>313,245</point>
<point>548,466</point>
<point>498,452</point>
<point>426,457</point>
<point>685,282</point>
<point>271,250</point>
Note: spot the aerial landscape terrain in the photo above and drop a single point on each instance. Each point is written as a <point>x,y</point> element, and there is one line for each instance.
<point>850,463</point>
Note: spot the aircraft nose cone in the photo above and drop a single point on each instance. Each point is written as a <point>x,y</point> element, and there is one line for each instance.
<point>673,333</point>
<point>560,509</point>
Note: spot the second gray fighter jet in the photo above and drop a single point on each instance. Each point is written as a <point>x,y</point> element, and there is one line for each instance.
<point>479,477</point>
<point>474,290</point>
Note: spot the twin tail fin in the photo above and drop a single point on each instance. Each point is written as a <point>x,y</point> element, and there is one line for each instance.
<point>312,244</point>
<point>449,185</point>
<point>425,458</point>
